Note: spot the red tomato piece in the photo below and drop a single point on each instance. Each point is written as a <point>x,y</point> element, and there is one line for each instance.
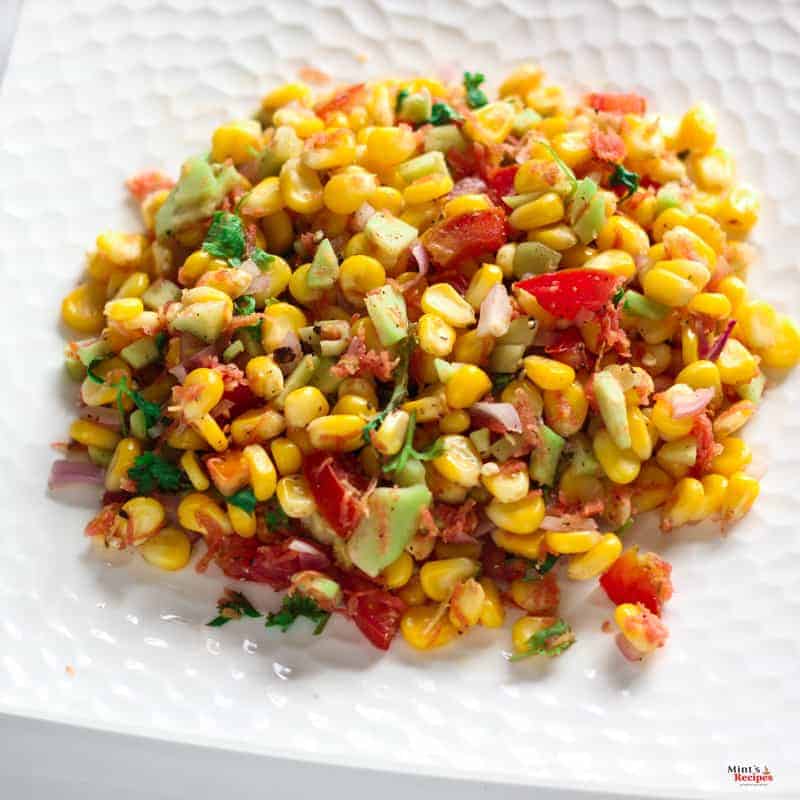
<point>337,485</point>
<point>501,182</point>
<point>276,563</point>
<point>639,578</point>
<point>377,615</point>
<point>342,101</point>
<point>464,236</point>
<point>565,294</point>
<point>241,399</point>
<point>616,102</point>
<point>144,183</point>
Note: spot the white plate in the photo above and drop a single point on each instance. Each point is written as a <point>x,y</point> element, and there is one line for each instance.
<point>98,90</point>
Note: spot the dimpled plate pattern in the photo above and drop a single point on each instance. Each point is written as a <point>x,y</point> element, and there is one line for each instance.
<point>98,89</point>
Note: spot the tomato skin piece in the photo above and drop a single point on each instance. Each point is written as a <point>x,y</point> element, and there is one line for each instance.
<point>464,236</point>
<point>337,485</point>
<point>565,294</point>
<point>639,578</point>
<point>377,615</point>
<point>617,102</point>
<point>500,183</point>
<point>342,101</point>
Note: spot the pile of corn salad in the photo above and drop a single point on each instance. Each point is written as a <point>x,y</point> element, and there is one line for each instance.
<point>417,357</point>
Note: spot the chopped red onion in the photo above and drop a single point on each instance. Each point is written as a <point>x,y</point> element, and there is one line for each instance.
<point>504,413</point>
<point>362,216</point>
<point>65,473</point>
<point>568,522</point>
<point>468,185</point>
<point>495,312</point>
<point>421,257</point>
<point>109,417</point>
<point>719,345</point>
<point>690,403</point>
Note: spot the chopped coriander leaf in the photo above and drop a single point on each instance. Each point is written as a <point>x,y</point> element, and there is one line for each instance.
<point>92,375</point>
<point>401,95</point>
<point>539,568</point>
<point>618,295</point>
<point>625,526</point>
<point>233,605</point>
<point>150,472</point>
<point>500,380</point>
<point>476,97</point>
<point>550,641</point>
<point>262,259</point>
<point>442,114</point>
<point>275,517</point>
<point>151,411</point>
<point>398,461</point>
<point>161,341</point>
<point>244,499</point>
<point>244,305</point>
<point>225,237</point>
<point>294,606</point>
<point>398,393</point>
<point>626,178</point>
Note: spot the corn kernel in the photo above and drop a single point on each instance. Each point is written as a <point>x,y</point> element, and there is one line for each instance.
<point>425,627</point>
<point>399,572</point>
<point>257,425</point>
<point>82,308</point>
<point>465,203</point>
<point>677,456</point>
<point>544,210</point>
<point>571,542</point>
<point>784,352</point>
<point>295,497</point>
<point>482,281</point>
<point>239,140</point>
<point>287,456</point>
<point>169,549</point>
<point>439,578</point>
<point>547,373</point>
<point>466,386</point>
<point>739,210</point>
<point>459,461</point>
<point>125,454</point>
<point>191,466</point>
<point>521,517</point>
<point>685,504</point>
<point>455,422</point>
<point>524,545</point>
<point>92,434</point>
<point>621,466</point>
<point>388,146</point>
<point>736,363</point>
<point>436,336</point>
<point>735,456</point>
<point>442,299</point>
<point>698,129</point>
<point>304,405</point>
<point>712,304</point>
<point>337,432</point>
<point>652,488</point>
<point>597,560</point>
<point>714,490</point>
<point>740,494</point>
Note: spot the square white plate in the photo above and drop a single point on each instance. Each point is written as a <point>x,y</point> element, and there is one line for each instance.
<point>97,90</point>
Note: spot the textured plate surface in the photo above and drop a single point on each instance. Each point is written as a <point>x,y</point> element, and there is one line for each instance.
<point>97,90</point>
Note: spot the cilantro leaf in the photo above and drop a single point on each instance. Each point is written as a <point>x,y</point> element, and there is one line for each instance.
<point>625,526</point>
<point>616,299</point>
<point>294,606</point>
<point>151,410</point>
<point>225,237</point>
<point>626,178</point>
<point>150,471</point>
<point>398,461</point>
<point>550,641</point>
<point>275,517</point>
<point>244,305</point>
<point>233,605</point>
<point>539,568</point>
<point>401,96</point>
<point>161,341</point>
<point>476,97</point>
<point>262,259</point>
<point>92,375</point>
<point>500,380</point>
<point>244,499</point>
<point>442,114</point>
<point>398,393</point>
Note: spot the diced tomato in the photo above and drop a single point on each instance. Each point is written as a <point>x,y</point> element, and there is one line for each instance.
<point>342,101</point>
<point>606,145</point>
<point>565,294</point>
<point>615,102</point>
<point>470,161</point>
<point>639,578</point>
<point>144,183</point>
<point>500,182</point>
<point>338,486</point>
<point>276,563</point>
<point>241,399</point>
<point>377,615</point>
<point>235,556</point>
<point>464,236</point>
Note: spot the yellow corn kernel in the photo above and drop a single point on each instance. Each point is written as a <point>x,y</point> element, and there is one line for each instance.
<point>455,422</point>
<point>301,189</point>
<point>735,456</point>
<point>299,288</point>
<point>358,275</point>
<point>299,437</point>
<point>425,627</point>
<point>784,352</point>
<point>712,171</point>
<point>239,140</point>
<point>712,304</point>
<point>287,456</point>
<point>150,206</point>
<point>736,363</point>
<point>427,188</point>
<point>533,397</point>
<point>652,488</point>
<point>198,512</point>
<point>421,215</point>
<point>303,405</point>
<point>135,285</point>
<point>740,494</point>
<point>263,477</point>
<point>520,517</point>
<point>123,310</point>
<point>544,210</point>
<point>656,358</point>
<point>264,377</point>
<point>556,237</point>
<point>123,250</point>
<point>482,281</point>
<point>701,374</point>
<point>709,230</point>
<point>572,147</point>
<point>547,373</point>
<point>617,262</point>
<point>125,454</point>
<point>346,191</point>
<point>629,617</point>
<point>257,425</point>
<point>678,455</point>
<point>471,348</point>
<point>391,434</point>
<point>435,335</point>
<point>597,560</point>
<point>92,434</point>
<point>354,404</point>
<point>243,522</point>
<point>278,231</point>
<point>523,545</point>
<point>675,282</point>
<point>548,101</point>
<point>738,211</point>
<point>211,388</point>
<point>303,121</point>
<point>714,489</point>
<point>427,409</point>
<point>641,437</point>
<point>506,487</point>
<point>387,198</point>
<point>565,410</point>
<point>621,466</point>
<point>667,426</point>
<point>210,430</point>
<point>295,497</point>
<point>440,577</point>
<point>399,572</point>
<point>459,461</point>
<point>466,604</point>
<point>411,594</point>
<point>442,299</point>
<point>570,542</point>
<point>279,319</point>
<point>523,79</point>
<point>733,418</point>
<point>186,439</point>
<point>169,549</point>
<point>524,628</point>
<point>667,220</point>
<point>196,265</point>
<point>360,386</point>
<point>337,432</point>
<point>390,146</point>
<point>493,613</point>
<point>698,129</point>
<point>757,322</point>
<point>490,124</point>
<point>332,148</point>
<point>191,466</point>
<point>465,203</point>
<point>466,386</point>
<point>285,94</point>
<point>82,308</point>
<point>685,504</point>
<point>144,516</point>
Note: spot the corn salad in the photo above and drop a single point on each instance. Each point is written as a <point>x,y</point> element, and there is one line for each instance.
<point>418,356</point>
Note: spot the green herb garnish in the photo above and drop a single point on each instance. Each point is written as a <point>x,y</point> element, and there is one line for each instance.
<point>500,380</point>
<point>476,97</point>
<point>244,499</point>
<point>401,96</point>
<point>244,305</point>
<point>442,114</point>
<point>624,177</point>
<point>151,471</point>
<point>399,460</point>
<point>398,393</point>
<point>161,341</point>
<point>262,259</point>
<point>294,606</point>
<point>539,568</point>
<point>616,298</point>
<point>151,410</point>
<point>625,526</point>
<point>275,517</point>
<point>225,237</point>
<point>542,644</point>
<point>233,605</point>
